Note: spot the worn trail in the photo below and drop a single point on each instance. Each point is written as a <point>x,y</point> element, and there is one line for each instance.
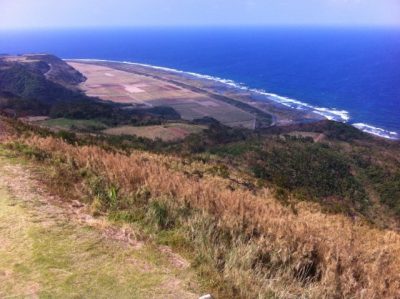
<point>50,248</point>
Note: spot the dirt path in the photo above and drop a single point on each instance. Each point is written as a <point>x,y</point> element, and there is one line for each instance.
<point>53,249</point>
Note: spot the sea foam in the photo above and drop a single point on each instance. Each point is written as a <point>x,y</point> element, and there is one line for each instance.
<point>376,131</point>
<point>328,113</point>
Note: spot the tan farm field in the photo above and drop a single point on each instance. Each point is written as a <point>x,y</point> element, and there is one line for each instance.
<point>131,88</point>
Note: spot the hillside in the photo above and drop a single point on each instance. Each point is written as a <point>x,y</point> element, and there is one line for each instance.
<point>245,235</point>
<point>288,207</point>
<point>52,67</point>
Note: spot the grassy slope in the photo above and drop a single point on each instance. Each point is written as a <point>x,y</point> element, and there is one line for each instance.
<point>243,242</point>
<point>43,253</point>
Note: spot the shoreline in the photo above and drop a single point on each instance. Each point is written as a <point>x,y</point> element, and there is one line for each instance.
<point>261,95</point>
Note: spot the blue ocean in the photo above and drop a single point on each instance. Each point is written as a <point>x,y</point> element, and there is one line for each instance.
<point>347,74</point>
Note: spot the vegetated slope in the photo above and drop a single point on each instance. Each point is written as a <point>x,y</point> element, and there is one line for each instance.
<point>54,68</point>
<point>58,71</point>
<point>27,90</point>
<point>33,89</point>
<point>334,164</point>
<point>243,241</point>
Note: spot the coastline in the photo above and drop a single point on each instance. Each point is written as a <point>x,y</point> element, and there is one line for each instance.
<point>302,111</point>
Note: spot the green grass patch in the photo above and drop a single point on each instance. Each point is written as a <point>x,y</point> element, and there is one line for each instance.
<point>74,124</point>
<point>166,132</point>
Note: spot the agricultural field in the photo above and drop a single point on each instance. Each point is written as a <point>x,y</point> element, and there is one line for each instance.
<point>167,132</point>
<point>144,91</point>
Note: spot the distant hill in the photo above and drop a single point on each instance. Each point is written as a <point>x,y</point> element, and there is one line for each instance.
<point>30,85</point>
<point>52,67</point>
<point>44,84</point>
<point>29,82</point>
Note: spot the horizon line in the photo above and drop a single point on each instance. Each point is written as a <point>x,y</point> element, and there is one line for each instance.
<point>194,26</point>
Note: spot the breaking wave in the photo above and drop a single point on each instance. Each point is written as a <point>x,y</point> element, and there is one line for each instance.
<point>376,131</point>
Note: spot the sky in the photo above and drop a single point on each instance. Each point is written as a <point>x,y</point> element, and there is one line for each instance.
<point>18,14</point>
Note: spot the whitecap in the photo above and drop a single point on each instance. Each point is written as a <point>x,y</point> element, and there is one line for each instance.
<point>376,131</point>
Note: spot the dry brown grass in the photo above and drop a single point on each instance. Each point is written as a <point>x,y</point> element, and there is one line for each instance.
<point>277,250</point>
<point>5,131</point>
<point>337,256</point>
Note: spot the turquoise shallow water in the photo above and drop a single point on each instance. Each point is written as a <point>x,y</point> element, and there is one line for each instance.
<point>350,75</point>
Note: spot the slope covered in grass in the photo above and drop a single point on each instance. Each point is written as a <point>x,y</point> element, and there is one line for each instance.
<point>243,242</point>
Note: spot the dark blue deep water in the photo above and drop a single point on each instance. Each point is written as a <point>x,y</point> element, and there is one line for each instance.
<point>354,70</point>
